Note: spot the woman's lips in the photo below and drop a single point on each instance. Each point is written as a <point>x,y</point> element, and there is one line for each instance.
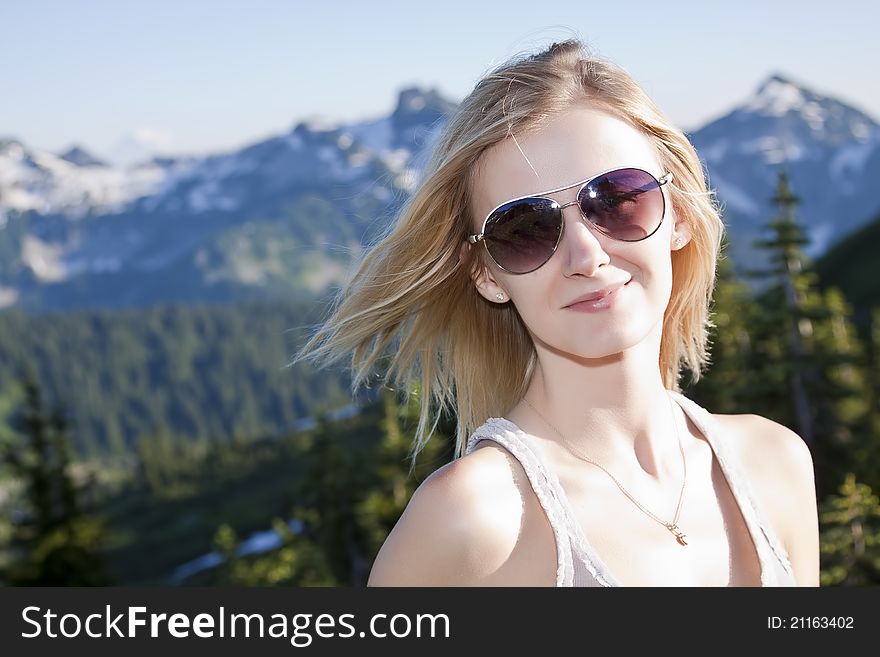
<point>598,304</point>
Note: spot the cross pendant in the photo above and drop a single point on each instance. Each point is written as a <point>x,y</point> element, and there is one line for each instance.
<point>679,535</point>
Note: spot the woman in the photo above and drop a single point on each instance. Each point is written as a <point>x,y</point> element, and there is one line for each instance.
<point>548,280</point>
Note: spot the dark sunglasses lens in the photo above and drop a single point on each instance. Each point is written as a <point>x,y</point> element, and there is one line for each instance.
<point>522,235</point>
<point>626,204</point>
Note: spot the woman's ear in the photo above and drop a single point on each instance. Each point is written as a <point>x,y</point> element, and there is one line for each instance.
<point>483,279</point>
<point>681,235</point>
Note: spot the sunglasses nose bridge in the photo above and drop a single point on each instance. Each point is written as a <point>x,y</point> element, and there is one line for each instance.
<point>582,215</point>
<point>577,203</point>
<point>586,252</point>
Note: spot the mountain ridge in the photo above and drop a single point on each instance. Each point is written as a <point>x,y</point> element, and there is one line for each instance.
<point>284,215</point>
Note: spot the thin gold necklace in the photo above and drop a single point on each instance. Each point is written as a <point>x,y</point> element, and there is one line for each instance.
<point>671,526</point>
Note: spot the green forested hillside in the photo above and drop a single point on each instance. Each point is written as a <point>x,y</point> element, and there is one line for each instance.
<point>852,266</point>
<point>203,372</point>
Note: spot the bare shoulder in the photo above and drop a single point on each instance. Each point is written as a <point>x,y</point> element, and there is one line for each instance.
<point>460,525</point>
<point>767,447</point>
<point>779,465</point>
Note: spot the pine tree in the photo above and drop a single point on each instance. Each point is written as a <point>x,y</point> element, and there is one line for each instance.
<point>396,475</point>
<point>810,365</point>
<point>335,477</point>
<point>785,304</point>
<point>729,384</point>
<point>843,393</point>
<point>56,542</point>
<point>850,540</point>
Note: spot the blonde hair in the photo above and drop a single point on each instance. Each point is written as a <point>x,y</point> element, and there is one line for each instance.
<point>448,345</point>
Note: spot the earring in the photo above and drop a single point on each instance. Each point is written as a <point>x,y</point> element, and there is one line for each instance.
<point>500,296</point>
<point>679,241</point>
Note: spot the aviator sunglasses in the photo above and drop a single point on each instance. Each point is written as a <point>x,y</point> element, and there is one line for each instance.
<point>522,234</point>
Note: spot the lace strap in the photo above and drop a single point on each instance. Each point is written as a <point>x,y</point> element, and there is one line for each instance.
<point>496,430</point>
<point>738,482</point>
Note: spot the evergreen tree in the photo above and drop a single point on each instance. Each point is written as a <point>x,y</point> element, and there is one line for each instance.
<point>56,543</point>
<point>730,383</point>
<point>843,390</point>
<point>396,475</point>
<point>784,308</point>
<point>337,474</point>
<point>850,540</point>
<point>809,363</point>
<point>354,491</point>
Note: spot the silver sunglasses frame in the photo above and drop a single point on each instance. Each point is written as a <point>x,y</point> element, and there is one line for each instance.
<point>478,237</point>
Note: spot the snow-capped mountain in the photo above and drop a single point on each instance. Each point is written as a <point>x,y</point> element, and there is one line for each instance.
<point>284,216</point>
<point>74,184</point>
<point>375,157</point>
<point>830,150</point>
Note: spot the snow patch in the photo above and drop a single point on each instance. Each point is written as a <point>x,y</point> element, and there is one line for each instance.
<point>47,184</point>
<point>44,259</point>
<point>319,124</point>
<point>814,114</point>
<point>775,98</point>
<point>396,160</point>
<point>860,130</point>
<point>359,159</point>
<point>407,179</point>
<point>256,543</point>
<point>774,149</point>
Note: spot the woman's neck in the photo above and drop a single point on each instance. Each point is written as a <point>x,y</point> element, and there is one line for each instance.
<point>615,410</point>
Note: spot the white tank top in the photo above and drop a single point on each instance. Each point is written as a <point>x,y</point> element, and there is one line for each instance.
<point>577,563</point>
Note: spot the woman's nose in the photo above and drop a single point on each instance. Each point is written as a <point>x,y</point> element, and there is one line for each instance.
<point>584,251</point>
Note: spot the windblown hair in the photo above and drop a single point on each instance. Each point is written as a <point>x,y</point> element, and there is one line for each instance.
<point>413,304</point>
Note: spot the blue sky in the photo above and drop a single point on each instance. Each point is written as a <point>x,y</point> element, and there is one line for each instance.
<point>198,76</point>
